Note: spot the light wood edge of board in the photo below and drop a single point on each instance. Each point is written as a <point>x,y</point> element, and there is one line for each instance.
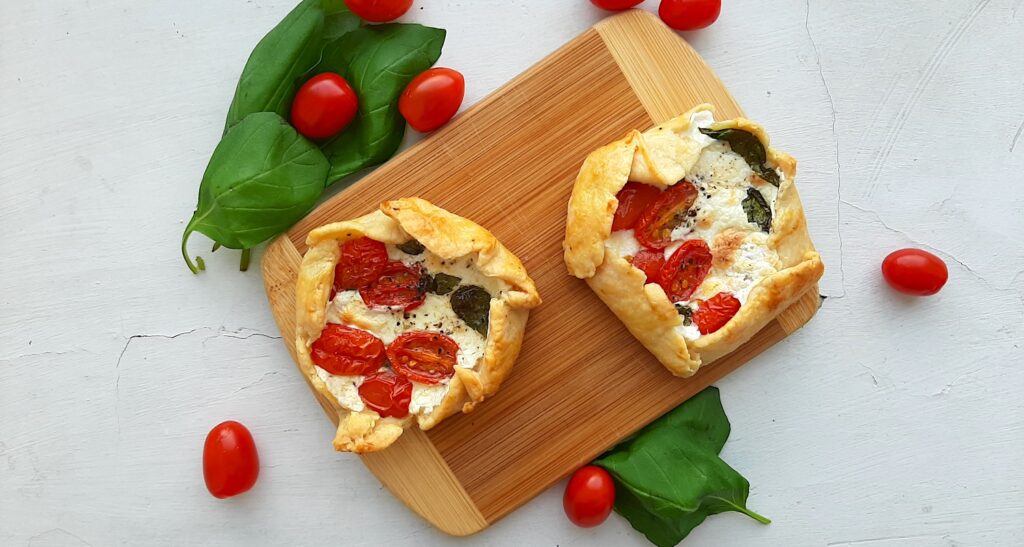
<point>443,503</point>
<point>643,46</point>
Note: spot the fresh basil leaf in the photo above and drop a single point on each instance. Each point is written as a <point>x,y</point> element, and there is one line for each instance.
<point>473,305</point>
<point>749,148</point>
<point>411,247</point>
<point>757,209</point>
<point>271,75</point>
<point>261,179</point>
<point>338,20</point>
<point>444,284</point>
<point>659,531</point>
<point>669,476</point>
<point>378,61</point>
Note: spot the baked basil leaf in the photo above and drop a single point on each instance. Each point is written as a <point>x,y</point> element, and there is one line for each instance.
<point>411,247</point>
<point>272,74</point>
<point>473,305</point>
<point>378,61</point>
<point>669,477</point>
<point>444,283</point>
<point>261,179</point>
<point>757,209</point>
<point>749,148</point>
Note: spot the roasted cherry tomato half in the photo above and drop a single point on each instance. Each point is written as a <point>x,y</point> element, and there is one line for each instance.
<point>689,14</point>
<point>685,269</point>
<point>361,263</point>
<point>387,394</point>
<point>589,496</point>
<point>650,262</point>
<point>916,272</point>
<point>379,11</point>
<point>425,357</point>
<point>323,106</point>
<point>633,199</point>
<point>615,5</point>
<point>654,229</point>
<point>432,98</point>
<point>713,313</point>
<point>230,462</point>
<point>398,286</point>
<point>347,351</point>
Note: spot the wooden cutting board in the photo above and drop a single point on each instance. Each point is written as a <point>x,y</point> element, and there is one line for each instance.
<point>581,382</point>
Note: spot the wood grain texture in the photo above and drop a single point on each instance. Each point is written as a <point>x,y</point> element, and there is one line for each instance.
<point>582,381</point>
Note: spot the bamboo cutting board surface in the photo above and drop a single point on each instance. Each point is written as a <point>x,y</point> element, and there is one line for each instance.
<point>581,382</point>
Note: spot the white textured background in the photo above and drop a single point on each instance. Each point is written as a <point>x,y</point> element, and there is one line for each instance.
<point>886,421</point>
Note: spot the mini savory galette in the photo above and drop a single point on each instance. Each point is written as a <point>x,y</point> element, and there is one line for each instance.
<point>692,233</point>
<point>408,314</point>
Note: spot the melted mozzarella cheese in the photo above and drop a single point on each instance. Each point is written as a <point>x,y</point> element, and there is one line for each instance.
<point>752,262</point>
<point>623,243</point>
<point>344,388</point>
<point>434,315</point>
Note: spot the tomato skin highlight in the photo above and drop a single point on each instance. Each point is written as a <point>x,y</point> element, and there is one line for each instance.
<point>387,394</point>
<point>397,286</point>
<point>231,464</point>
<point>915,272</point>
<point>713,313</point>
<point>425,357</point>
<point>589,496</point>
<point>346,351</point>
<point>650,262</point>
<point>689,14</point>
<point>379,11</point>
<point>654,229</point>
<point>432,98</point>
<point>361,262</point>
<point>633,199</point>
<point>323,106</point>
<point>615,5</point>
<point>685,270</point>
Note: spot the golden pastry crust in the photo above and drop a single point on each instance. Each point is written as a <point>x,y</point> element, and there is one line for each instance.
<point>661,157</point>
<point>449,236</point>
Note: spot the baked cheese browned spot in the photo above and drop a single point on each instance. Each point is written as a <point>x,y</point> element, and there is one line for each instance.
<point>724,247</point>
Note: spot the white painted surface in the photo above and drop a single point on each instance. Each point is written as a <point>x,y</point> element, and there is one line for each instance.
<point>886,421</point>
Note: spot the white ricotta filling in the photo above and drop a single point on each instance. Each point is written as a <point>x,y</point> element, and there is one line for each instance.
<point>434,315</point>
<point>722,178</point>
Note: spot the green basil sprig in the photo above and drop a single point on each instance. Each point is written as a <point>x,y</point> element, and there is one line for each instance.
<point>749,148</point>
<point>378,61</point>
<point>272,73</point>
<point>757,209</point>
<point>317,36</point>
<point>261,179</point>
<point>669,478</point>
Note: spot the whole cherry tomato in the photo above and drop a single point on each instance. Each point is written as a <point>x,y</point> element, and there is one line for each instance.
<point>650,262</point>
<point>689,14</point>
<point>432,98</point>
<point>654,229</point>
<point>230,462</point>
<point>615,5</point>
<point>379,11</point>
<point>916,272</point>
<point>347,351</point>
<point>633,199</point>
<point>387,394</point>
<point>589,496</point>
<point>425,357</point>
<point>713,313</point>
<point>361,263</point>
<point>397,286</point>
<point>685,269</point>
<point>323,106</point>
